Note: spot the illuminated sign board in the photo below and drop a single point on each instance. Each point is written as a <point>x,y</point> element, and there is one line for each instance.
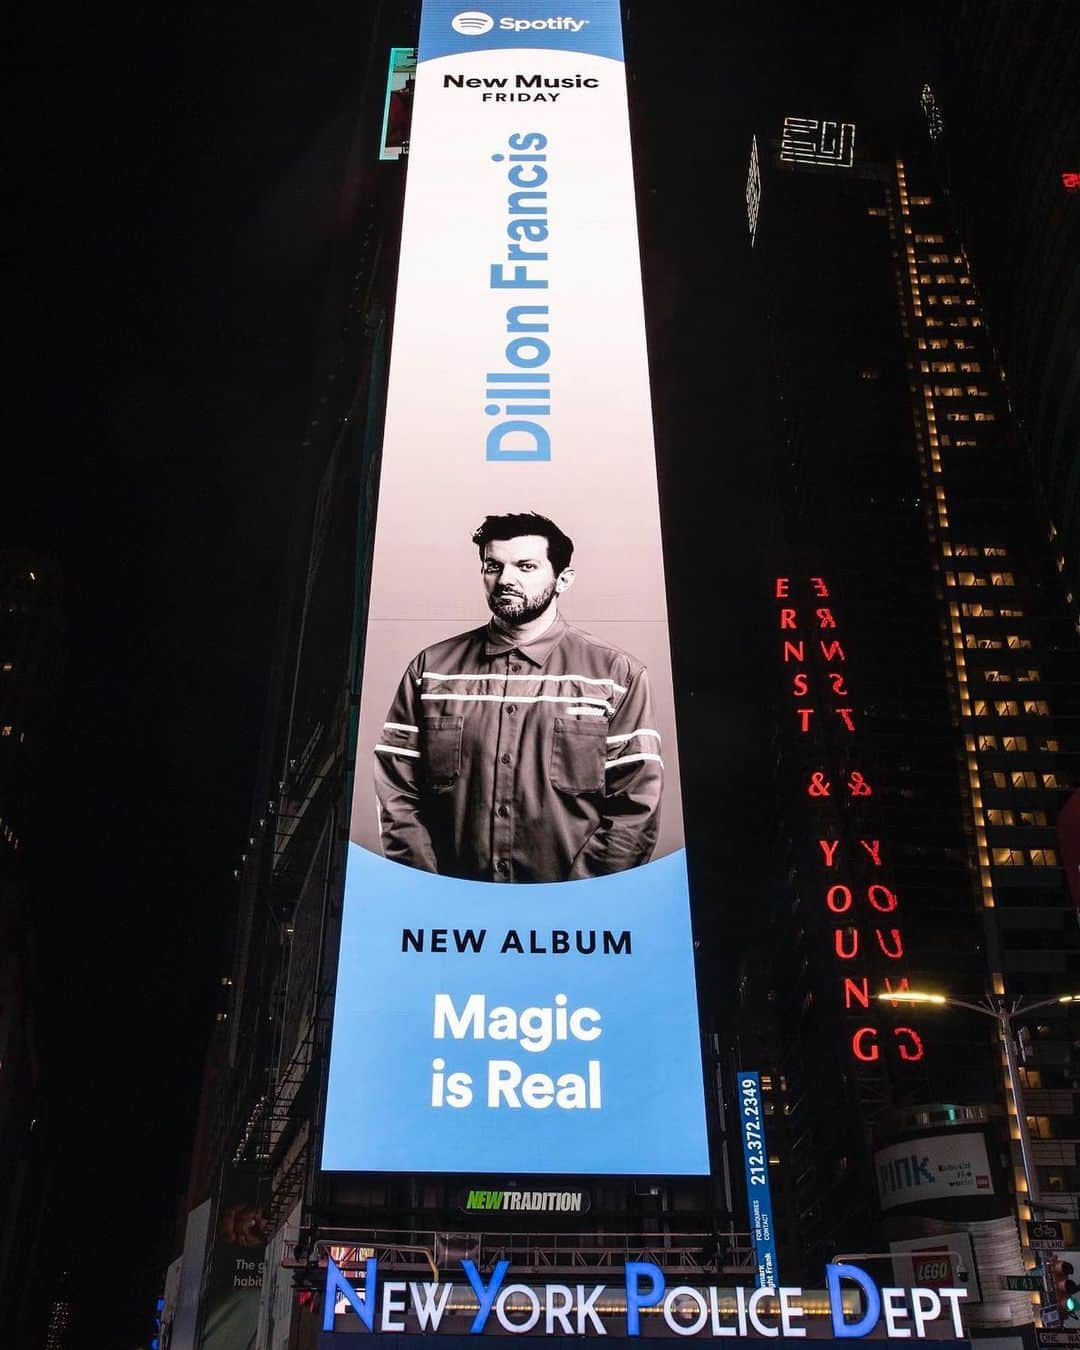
<point>753,191</point>
<point>808,140</point>
<point>529,1202</point>
<point>397,109</point>
<point>515,986</point>
<point>860,898</point>
<point>945,1166</point>
<point>756,1162</point>
<point>1071,182</point>
<point>498,1303</point>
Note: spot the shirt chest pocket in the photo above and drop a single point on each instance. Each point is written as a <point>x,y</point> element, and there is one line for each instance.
<point>577,754</point>
<point>442,750</point>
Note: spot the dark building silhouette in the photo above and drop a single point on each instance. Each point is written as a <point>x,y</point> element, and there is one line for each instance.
<point>1007,136</point>
<point>32,656</point>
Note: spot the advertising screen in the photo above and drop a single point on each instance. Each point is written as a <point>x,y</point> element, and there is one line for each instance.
<point>515,988</point>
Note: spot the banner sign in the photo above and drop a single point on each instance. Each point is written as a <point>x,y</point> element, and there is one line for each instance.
<point>944,1166</point>
<point>530,1202</point>
<point>503,1305</point>
<point>515,983</point>
<point>755,1160</point>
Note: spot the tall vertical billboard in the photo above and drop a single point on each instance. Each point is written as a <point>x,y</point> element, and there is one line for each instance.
<point>515,988</point>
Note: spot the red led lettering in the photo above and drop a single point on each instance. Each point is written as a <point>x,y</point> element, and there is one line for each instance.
<point>836,679</point>
<point>900,987</point>
<point>787,618</point>
<point>859,1045</point>
<point>781,588</point>
<point>1071,181</point>
<point>882,899</point>
<point>819,587</point>
<point>819,785</point>
<point>859,992</point>
<point>829,850</point>
<point>897,941</point>
<point>873,847</point>
<point>799,686</point>
<point>858,786</point>
<point>825,618</point>
<point>794,651</point>
<point>832,651</point>
<point>805,715</point>
<point>838,899</point>
<point>853,941</point>
<point>913,1049</point>
<point>844,715</point>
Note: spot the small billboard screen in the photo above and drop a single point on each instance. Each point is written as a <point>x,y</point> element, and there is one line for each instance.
<point>515,990</point>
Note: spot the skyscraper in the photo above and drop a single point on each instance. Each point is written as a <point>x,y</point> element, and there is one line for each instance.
<point>925,701</point>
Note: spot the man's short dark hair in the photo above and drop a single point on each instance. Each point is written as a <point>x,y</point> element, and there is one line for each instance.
<point>560,546</point>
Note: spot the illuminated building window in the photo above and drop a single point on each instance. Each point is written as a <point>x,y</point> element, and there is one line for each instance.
<point>1038,707</point>
<point>988,743</point>
<point>985,417</point>
<point>1011,613</point>
<point>1031,1078</point>
<point>1028,677</point>
<point>971,579</point>
<point>943,367</point>
<point>977,611</point>
<point>1008,857</point>
<point>971,367</point>
<point>6,667</point>
<point>1049,745</point>
<point>983,644</point>
<point>929,238</point>
<point>1014,743</point>
<point>1018,643</point>
<point>964,443</point>
<point>965,551</point>
<point>1043,857</point>
<point>945,279</point>
<point>957,417</point>
<point>996,552</point>
<point>937,257</point>
<point>1002,579</point>
<point>995,816</point>
<point>936,344</point>
<point>998,780</point>
<point>997,677</point>
<point>922,201</point>
<point>1053,780</point>
<point>1007,708</point>
<point>950,299</point>
<point>6,729</point>
<point>1032,817</point>
<point>974,391</point>
<point>1023,778</point>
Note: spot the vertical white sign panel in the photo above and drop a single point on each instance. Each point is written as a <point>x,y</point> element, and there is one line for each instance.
<point>516,986</point>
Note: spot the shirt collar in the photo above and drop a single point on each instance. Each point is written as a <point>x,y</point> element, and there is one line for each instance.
<point>496,643</point>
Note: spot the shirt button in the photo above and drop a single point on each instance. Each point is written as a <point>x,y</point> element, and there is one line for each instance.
<point>502,867</point>
<point>503,811</point>
<point>511,708</point>
<point>506,759</point>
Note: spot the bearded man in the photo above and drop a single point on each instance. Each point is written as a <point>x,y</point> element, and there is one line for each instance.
<point>524,750</point>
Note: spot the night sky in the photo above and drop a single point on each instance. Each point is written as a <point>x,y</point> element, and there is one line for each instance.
<point>173,185</point>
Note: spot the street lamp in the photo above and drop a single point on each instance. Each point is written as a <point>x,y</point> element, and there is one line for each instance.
<point>1004,1014</point>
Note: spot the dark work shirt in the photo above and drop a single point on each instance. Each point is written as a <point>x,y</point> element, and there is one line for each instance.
<point>538,762</point>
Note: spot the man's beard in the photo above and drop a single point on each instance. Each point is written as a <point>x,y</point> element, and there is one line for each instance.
<point>515,610</point>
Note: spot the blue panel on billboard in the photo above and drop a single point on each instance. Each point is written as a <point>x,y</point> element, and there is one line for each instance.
<point>517,760</point>
<point>758,1190</point>
<point>608,959</point>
